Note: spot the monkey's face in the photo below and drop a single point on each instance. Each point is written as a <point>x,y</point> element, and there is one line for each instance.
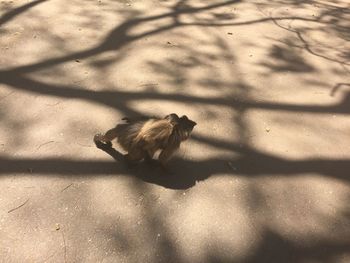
<point>186,126</point>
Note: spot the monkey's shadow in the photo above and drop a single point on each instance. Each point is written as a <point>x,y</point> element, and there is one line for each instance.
<point>174,178</point>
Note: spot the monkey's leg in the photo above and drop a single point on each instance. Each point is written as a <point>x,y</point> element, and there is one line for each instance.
<point>134,156</point>
<point>149,156</point>
<point>165,155</point>
<point>105,139</point>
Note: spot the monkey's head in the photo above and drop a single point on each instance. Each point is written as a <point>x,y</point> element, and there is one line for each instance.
<point>173,118</point>
<point>183,125</point>
<point>186,126</point>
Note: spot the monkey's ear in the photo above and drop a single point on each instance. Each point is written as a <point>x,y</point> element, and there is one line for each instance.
<point>174,115</point>
<point>173,118</point>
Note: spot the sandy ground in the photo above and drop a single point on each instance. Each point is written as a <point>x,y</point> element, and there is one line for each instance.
<point>265,176</point>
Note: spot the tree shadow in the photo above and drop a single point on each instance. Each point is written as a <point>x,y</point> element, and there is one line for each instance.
<point>275,248</point>
<point>183,173</point>
<point>17,11</point>
<point>249,162</point>
<point>329,22</point>
<point>287,60</point>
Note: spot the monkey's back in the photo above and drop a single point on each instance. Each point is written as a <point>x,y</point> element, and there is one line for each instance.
<point>152,133</point>
<point>127,133</point>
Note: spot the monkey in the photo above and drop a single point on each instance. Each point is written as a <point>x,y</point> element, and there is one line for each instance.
<point>142,137</point>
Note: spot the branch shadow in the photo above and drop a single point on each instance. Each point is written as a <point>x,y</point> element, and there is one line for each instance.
<point>119,99</point>
<point>17,11</point>
<point>184,173</point>
<point>289,58</point>
<point>275,248</point>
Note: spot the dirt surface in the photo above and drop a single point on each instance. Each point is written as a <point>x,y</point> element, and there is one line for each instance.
<point>265,176</point>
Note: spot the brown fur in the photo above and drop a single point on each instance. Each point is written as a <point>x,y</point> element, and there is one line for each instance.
<point>142,137</point>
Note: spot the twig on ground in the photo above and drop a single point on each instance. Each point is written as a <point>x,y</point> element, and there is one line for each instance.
<point>46,259</point>
<point>13,209</point>
<point>65,248</point>
<point>8,94</point>
<point>66,187</point>
<point>53,104</point>
<point>44,144</point>
<point>84,145</point>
